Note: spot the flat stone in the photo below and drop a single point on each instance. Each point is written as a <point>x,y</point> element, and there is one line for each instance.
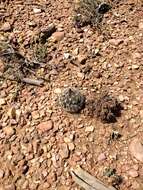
<point>89,129</point>
<point>133,173</point>
<point>6,27</point>
<point>57,90</point>
<point>136,149</point>
<point>9,131</point>
<point>137,55</point>
<point>58,36</point>
<point>64,151</point>
<point>135,66</point>
<point>80,75</point>
<point>45,126</point>
<point>115,42</point>
<point>101,157</point>
<point>36,10</point>
<point>32,23</point>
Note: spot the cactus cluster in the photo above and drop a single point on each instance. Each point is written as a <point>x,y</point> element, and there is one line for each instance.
<point>72,100</point>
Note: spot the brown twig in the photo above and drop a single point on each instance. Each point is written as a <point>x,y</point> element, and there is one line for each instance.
<point>35,82</point>
<point>87,181</point>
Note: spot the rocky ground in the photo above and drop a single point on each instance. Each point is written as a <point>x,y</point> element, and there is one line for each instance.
<point>39,141</point>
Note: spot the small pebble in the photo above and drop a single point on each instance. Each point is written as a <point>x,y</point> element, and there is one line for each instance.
<point>136,149</point>
<point>89,129</point>
<point>57,91</point>
<point>6,27</point>
<point>135,66</point>
<point>66,55</point>
<point>71,146</point>
<point>133,173</point>
<point>141,25</point>
<point>45,126</point>
<point>75,51</point>
<point>115,42</point>
<point>69,138</point>
<point>35,10</point>
<point>1,173</point>
<point>32,23</point>
<point>121,98</point>
<point>64,151</point>
<point>57,36</point>
<point>101,157</point>
<point>9,131</point>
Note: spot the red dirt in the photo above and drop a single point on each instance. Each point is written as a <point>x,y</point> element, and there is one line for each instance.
<point>33,160</point>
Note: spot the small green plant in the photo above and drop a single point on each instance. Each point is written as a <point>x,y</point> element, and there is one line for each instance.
<point>115,179</point>
<point>89,12</point>
<point>40,51</point>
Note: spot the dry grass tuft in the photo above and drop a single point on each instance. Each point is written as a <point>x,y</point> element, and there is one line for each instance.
<point>89,12</point>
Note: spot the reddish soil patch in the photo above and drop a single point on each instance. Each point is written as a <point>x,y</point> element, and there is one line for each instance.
<point>30,159</point>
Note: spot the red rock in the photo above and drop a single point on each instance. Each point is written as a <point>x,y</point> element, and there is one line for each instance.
<point>133,173</point>
<point>9,131</point>
<point>45,126</point>
<point>58,36</point>
<point>35,10</point>
<point>101,157</point>
<point>64,151</point>
<point>6,27</point>
<point>136,149</point>
<point>115,42</point>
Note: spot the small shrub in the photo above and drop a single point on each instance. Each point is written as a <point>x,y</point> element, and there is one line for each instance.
<point>89,12</point>
<point>40,52</point>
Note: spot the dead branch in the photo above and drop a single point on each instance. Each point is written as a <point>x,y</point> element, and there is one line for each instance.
<point>33,81</point>
<point>88,182</point>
